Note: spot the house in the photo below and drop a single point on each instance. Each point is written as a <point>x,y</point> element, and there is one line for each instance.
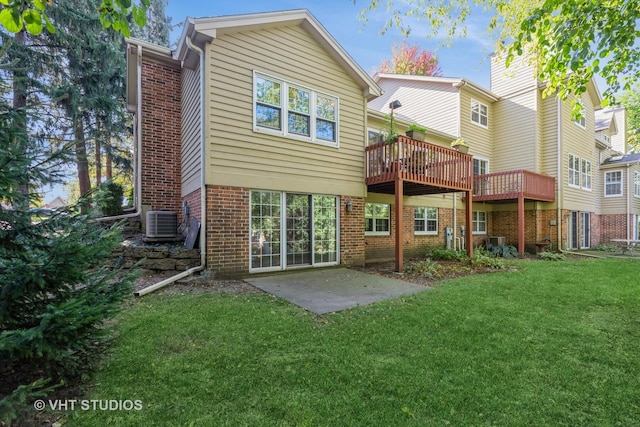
<point>262,129</point>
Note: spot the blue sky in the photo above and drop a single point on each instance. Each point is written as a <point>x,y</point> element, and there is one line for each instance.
<point>465,58</point>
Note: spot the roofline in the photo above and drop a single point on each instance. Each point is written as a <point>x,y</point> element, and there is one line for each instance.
<point>202,30</point>
<point>454,81</point>
<point>430,131</point>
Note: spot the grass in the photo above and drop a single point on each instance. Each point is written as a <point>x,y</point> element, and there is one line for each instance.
<point>548,344</point>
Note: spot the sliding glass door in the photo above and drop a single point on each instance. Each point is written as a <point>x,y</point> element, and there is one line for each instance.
<point>307,226</point>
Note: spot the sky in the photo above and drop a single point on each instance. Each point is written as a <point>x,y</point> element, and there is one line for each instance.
<point>465,58</point>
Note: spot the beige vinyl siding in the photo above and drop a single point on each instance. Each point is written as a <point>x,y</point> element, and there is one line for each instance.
<point>579,142</point>
<point>191,174</point>
<point>549,137</point>
<point>478,137</point>
<point>515,133</point>
<point>431,104</point>
<point>507,81</point>
<point>635,200</point>
<point>238,156</point>
<point>617,204</point>
<point>433,200</point>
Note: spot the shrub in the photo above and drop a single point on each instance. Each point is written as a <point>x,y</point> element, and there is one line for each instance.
<point>485,259</point>
<point>426,268</point>
<point>440,254</point>
<point>108,198</point>
<point>504,251</point>
<point>605,247</point>
<point>552,256</point>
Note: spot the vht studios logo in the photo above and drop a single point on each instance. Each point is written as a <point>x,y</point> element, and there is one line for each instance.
<point>88,405</point>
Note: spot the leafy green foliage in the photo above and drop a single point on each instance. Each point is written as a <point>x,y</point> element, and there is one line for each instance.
<point>607,247</point>
<point>504,251</point>
<point>55,296</point>
<point>30,15</point>
<point>108,198</point>
<point>425,268</point>
<point>483,258</point>
<point>441,254</point>
<point>552,256</point>
<point>567,41</point>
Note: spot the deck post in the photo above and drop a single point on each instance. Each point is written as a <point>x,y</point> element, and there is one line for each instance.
<point>521,224</point>
<point>399,251</point>
<point>468,213</point>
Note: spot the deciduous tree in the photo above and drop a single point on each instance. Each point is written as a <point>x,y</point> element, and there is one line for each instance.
<point>568,41</point>
<point>409,59</point>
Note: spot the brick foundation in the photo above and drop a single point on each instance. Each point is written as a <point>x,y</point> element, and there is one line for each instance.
<point>352,242</point>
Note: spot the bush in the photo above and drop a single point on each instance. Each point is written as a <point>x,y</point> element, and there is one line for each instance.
<point>108,198</point>
<point>605,247</point>
<point>552,256</point>
<point>440,254</point>
<point>504,251</point>
<point>55,295</point>
<point>482,258</point>
<point>426,268</point>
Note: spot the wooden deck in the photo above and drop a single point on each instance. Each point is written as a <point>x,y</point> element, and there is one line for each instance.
<point>512,185</point>
<point>423,168</point>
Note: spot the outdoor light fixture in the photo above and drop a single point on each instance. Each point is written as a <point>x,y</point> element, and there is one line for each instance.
<point>393,105</point>
<point>348,205</point>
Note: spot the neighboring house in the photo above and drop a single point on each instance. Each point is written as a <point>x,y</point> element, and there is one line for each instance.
<point>57,202</point>
<point>263,128</point>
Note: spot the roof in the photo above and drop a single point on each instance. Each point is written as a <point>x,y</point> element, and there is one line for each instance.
<point>623,159</point>
<point>605,119</point>
<point>203,30</point>
<point>454,81</point>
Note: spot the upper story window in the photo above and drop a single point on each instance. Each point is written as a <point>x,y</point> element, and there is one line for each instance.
<point>425,221</point>
<point>374,136</point>
<point>479,113</point>
<point>607,139</point>
<point>574,171</point>
<point>287,109</point>
<point>636,183</point>
<point>377,219</point>
<point>585,174</point>
<point>613,184</point>
<point>480,166</point>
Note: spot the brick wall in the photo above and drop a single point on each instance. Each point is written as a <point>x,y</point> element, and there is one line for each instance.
<point>537,226</point>
<point>193,201</point>
<point>614,227</point>
<point>383,247</point>
<point>352,244</point>
<point>160,137</point>
<point>227,227</point>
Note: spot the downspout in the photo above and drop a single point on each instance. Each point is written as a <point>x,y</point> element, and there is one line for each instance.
<point>457,85</point>
<point>560,175</point>
<point>203,196</point>
<point>137,198</point>
<point>628,215</point>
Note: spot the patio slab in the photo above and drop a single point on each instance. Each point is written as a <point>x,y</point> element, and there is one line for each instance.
<point>323,291</point>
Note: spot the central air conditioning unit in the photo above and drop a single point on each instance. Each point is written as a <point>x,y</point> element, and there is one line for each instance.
<point>497,241</point>
<point>162,224</point>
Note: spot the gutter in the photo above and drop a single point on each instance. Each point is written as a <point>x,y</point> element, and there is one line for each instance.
<point>203,197</point>
<point>137,199</point>
<point>559,181</point>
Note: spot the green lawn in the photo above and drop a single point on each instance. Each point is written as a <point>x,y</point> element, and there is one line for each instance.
<point>553,343</point>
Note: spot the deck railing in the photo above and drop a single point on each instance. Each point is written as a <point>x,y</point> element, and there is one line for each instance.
<point>511,184</point>
<point>418,162</point>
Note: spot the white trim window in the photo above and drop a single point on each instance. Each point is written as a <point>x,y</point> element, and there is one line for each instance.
<point>479,222</point>
<point>479,113</point>
<point>581,121</point>
<point>574,171</point>
<point>377,219</point>
<point>636,183</point>
<point>291,110</point>
<point>585,174</point>
<point>613,184</point>
<point>425,221</point>
<point>374,136</point>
